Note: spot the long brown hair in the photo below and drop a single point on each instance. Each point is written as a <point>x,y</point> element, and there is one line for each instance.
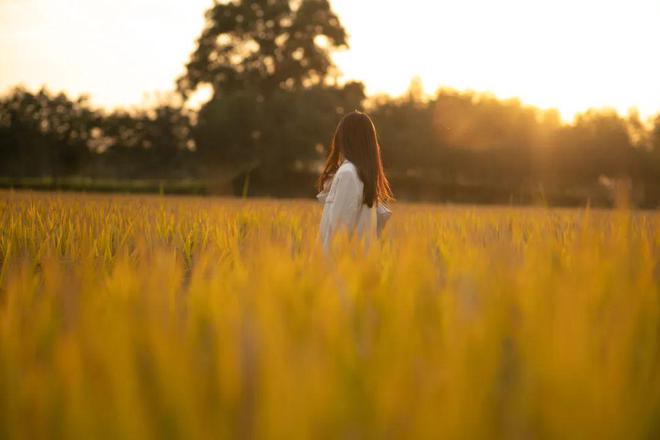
<point>356,140</point>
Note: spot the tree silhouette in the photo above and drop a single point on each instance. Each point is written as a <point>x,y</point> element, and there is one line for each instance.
<point>241,131</point>
<point>264,45</point>
<point>454,146</point>
<point>43,135</point>
<point>269,65</point>
<point>154,143</point>
<point>598,143</point>
<point>655,136</point>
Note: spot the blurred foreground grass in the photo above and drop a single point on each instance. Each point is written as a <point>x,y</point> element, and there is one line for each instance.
<point>155,317</point>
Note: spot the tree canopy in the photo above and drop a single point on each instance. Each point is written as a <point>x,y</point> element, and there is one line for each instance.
<point>264,45</point>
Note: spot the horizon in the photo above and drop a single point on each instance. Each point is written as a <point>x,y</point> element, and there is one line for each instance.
<point>129,56</point>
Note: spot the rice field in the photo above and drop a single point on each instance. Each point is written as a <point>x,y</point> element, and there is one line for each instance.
<point>165,317</point>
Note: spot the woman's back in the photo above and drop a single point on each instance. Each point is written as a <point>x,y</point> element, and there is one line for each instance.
<point>353,184</point>
<point>344,207</point>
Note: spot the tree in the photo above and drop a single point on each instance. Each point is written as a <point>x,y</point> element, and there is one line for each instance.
<point>598,143</point>
<point>264,45</point>
<point>651,163</point>
<point>268,62</point>
<point>44,135</point>
<point>655,135</point>
<point>243,131</point>
<point>155,143</point>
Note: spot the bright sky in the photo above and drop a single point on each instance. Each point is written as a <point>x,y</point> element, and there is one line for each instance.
<point>567,54</point>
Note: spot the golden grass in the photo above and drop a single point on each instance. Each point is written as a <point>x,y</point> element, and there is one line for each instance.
<point>151,317</point>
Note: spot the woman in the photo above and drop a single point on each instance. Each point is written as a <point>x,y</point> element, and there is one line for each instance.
<point>353,186</point>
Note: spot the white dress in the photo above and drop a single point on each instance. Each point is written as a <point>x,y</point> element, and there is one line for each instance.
<point>343,208</point>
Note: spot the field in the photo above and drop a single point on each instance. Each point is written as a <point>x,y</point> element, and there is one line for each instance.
<point>165,317</point>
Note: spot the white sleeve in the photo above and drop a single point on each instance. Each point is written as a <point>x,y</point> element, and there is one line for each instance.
<point>345,205</point>
<point>383,215</point>
<point>324,192</point>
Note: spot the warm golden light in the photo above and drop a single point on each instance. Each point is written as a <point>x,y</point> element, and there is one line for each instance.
<point>566,54</point>
<point>118,51</point>
<point>571,55</point>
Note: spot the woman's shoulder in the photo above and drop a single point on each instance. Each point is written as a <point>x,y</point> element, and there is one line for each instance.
<point>347,167</point>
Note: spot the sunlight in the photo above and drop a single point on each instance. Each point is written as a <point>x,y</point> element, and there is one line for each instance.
<point>119,52</point>
<point>564,54</point>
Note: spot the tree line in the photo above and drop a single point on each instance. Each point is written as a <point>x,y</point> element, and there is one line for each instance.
<point>276,100</point>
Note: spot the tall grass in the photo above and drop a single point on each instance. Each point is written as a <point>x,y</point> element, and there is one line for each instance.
<point>154,317</point>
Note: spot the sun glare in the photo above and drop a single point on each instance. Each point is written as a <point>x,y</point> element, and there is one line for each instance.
<point>569,55</point>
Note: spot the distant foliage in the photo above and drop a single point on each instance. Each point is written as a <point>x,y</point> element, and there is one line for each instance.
<point>288,130</point>
<point>153,143</point>
<point>454,146</point>
<point>274,103</point>
<point>264,45</point>
<point>47,135</point>
<point>479,140</point>
<point>44,134</point>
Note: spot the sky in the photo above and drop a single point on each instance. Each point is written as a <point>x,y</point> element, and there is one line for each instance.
<point>564,54</point>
